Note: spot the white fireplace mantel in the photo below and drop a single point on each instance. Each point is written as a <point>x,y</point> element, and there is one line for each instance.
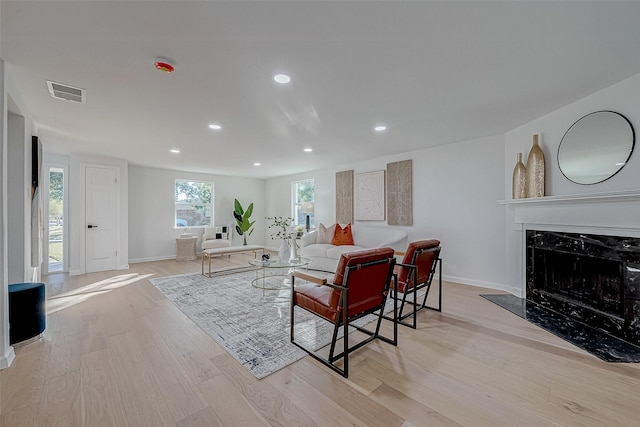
<point>576,198</point>
<point>612,213</point>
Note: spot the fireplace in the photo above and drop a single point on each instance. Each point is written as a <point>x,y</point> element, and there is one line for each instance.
<point>594,279</point>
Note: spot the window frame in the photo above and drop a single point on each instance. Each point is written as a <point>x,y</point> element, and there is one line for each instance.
<point>296,204</point>
<point>194,204</point>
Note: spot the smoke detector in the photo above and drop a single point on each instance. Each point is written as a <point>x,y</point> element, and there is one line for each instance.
<point>165,64</point>
<point>66,92</point>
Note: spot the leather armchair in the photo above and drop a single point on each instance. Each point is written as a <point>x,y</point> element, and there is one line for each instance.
<point>360,287</point>
<point>416,272</point>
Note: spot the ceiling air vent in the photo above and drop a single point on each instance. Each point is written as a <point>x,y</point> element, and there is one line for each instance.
<point>66,92</point>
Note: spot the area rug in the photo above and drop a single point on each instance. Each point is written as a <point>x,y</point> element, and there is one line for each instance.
<point>250,323</point>
<point>592,340</point>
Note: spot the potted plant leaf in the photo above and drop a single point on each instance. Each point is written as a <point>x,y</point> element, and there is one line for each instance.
<point>244,225</point>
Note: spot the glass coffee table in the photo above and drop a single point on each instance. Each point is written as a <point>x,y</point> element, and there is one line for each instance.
<point>278,272</point>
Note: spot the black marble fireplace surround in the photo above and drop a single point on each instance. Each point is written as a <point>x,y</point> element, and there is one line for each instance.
<point>592,279</point>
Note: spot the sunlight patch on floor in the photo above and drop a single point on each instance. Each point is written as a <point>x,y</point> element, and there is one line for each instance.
<point>77,296</point>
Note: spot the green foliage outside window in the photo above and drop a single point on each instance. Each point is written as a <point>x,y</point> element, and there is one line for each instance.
<point>304,191</point>
<point>193,203</point>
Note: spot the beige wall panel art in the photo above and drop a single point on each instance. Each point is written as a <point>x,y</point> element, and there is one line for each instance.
<point>400,193</point>
<point>369,202</point>
<point>344,197</point>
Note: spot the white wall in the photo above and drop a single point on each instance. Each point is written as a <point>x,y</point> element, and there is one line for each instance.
<point>16,150</point>
<point>20,128</point>
<point>622,98</point>
<point>18,212</point>
<point>455,188</point>
<point>278,198</point>
<point>6,351</point>
<point>151,209</point>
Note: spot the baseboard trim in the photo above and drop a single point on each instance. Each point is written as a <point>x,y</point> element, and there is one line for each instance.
<point>7,358</point>
<point>75,272</point>
<point>149,259</point>
<point>480,284</point>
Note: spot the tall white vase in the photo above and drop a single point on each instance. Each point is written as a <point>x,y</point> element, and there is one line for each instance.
<point>284,251</point>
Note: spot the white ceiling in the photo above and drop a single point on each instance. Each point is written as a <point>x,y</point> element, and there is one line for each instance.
<point>433,72</point>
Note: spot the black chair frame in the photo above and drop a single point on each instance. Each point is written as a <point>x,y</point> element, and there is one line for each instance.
<point>416,307</point>
<point>344,321</point>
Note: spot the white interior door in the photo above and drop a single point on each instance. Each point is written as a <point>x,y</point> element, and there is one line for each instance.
<point>101,215</point>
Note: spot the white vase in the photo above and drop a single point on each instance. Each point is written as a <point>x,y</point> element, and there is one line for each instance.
<point>294,248</point>
<point>284,251</point>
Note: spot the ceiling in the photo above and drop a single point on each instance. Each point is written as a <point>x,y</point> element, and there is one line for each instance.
<point>432,72</point>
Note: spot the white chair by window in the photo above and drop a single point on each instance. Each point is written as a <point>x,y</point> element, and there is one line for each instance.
<point>216,237</point>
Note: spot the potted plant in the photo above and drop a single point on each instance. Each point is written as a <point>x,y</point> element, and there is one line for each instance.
<point>244,225</point>
<point>281,225</point>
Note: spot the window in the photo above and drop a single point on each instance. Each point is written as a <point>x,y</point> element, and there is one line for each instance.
<point>303,202</point>
<point>55,230</point>
<point>194,203</point>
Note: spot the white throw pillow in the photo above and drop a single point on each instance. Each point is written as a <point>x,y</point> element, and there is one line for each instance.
<point>325,234</point>
<point>209,233</point>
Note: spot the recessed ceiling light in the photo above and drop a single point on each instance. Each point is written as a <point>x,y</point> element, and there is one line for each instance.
<point>256,164</point>
<point>380,128</point>
<point>173,150</point>
<point>282,78</point>
<point>215,126</point>
<point>308,150</point>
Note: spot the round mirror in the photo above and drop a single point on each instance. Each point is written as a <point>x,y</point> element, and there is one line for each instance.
<point>596,147</point>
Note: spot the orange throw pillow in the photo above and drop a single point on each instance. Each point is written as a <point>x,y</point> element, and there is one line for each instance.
<point>342,236</point>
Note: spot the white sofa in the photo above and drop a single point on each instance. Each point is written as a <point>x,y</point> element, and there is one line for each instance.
<point>326,256</point>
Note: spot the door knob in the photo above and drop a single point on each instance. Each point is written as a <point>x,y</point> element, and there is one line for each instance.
<point>92,226</point>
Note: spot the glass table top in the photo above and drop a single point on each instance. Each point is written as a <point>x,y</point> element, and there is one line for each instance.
<point>275,262</point>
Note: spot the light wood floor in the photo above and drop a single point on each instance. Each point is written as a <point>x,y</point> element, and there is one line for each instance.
<point>117,353</point>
